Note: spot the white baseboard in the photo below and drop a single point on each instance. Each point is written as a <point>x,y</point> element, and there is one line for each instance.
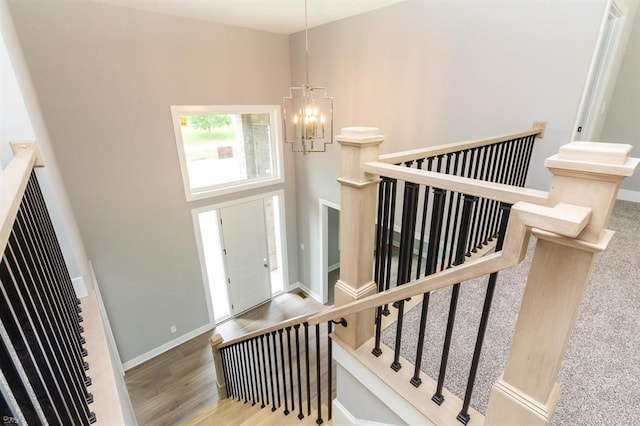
<point>627,195</point>
<point>313,294</point>
<point>79,287</point>
<point>163,348</point>
<point>333,267</point>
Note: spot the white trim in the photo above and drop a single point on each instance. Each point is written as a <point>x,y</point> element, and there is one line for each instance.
<point>217,206</point>
<point>342,416</point>
<point>624,10</point>
<point>333,267</point>
<point>315,296</point>
<point>105,320</point>
<point>628,195</point>
<point>227,188</point>
<point>323,213</point>
<point>369,380</point>
<point>167,346</point>
<point>79,287</point>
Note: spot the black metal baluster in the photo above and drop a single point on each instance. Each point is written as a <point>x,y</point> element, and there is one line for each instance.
<point>416,380</point>
<point>500,179</point>
<point>293,398</point>
<point>329,369</point>
<point>264,370</point>
<point>65,322</point>
<point>476,168</point>
<point>493,205</point>
<point>307,370</point>
<point>318,382</point>
<point>484,219</point>
<point>431,265</point>
<point>379,237</point>
<point>463,416</point>
<point>245,372</point>
<point>273,393</point>
<point>519,160</point>
<point>249,365</point>
<point>438,398</point>
<point>528,161</point>
<point>392,214</point>
<point>242,388</point>
<point>457,216</point>
<point>257,354</point>
<point>297,329</point>
<point>448,201</point>
<point>31,288</point>
<point>233,375</point>
<point>275,363</point>
<point>284,374</point>
<point>480,206</point>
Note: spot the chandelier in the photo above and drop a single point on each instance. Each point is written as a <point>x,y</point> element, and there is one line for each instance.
<point>307,111</point>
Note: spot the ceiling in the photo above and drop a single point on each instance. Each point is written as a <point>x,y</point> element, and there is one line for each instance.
<point>279,16</point>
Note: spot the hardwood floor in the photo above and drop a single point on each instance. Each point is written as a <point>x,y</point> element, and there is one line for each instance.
<point>173,386</point>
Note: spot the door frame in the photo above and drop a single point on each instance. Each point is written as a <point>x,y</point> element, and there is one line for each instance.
<point>323,214</point>
<point>605,79</point>
<point>198,236</point>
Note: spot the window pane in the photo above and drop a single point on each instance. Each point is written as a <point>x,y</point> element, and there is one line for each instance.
<point>226,148</point>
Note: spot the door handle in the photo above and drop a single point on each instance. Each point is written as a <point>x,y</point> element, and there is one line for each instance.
<point>266,265</point>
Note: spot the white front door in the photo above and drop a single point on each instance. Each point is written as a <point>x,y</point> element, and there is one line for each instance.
<point>245,247</point>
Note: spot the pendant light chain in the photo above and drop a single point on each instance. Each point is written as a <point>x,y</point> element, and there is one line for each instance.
<point>306,42</point>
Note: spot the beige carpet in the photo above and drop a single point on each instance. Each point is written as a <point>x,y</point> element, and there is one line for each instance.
<point>600,376</point>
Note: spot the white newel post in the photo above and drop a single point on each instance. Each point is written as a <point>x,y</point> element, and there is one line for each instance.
<point>215,341</point>
<point>357,229</point>
<point>584,174</point>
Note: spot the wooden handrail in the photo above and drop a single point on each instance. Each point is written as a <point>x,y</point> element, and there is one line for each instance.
<point>284,324</point>
<point>495,191</point>
<point>13,182</point>
<point>524,216</point>
<point>415,154</point>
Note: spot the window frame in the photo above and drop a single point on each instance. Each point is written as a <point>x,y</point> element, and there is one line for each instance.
<point>229,187</point>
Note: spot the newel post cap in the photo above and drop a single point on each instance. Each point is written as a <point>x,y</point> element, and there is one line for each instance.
<point>595,157</point>
<point>359,136</point>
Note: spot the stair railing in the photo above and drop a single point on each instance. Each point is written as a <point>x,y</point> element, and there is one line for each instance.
<point>286,367</point>
<point>569,223</point>
<point>43,376</point>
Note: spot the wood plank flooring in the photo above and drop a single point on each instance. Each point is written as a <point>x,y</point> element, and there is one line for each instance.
<point>173,386</point>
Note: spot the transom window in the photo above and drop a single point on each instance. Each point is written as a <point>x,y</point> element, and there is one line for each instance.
<point>225,149</point>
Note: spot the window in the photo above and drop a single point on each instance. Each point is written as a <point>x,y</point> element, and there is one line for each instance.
<point>225,149</point>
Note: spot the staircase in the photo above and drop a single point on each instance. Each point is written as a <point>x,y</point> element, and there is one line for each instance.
<point>463,214</point>
<point>233,412</point>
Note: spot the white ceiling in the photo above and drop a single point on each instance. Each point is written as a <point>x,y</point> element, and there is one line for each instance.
<point>280,16</point>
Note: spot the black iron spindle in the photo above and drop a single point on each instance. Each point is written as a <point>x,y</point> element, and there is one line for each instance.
<point>273,393</point>
<point>329,370</point>
<point>259,365</point>
<point>284,374</point>
<point>293,398</point>
<point>469,201</point>
<point>297,330</point>
<point>318,382</point>
<point>463,415</point>
<point>307,370</point>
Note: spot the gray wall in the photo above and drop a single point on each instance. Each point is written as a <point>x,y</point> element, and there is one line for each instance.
<point>433,72</point>
<point>106,77</point>
<point>333,236</point>
<point>622,124</point>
